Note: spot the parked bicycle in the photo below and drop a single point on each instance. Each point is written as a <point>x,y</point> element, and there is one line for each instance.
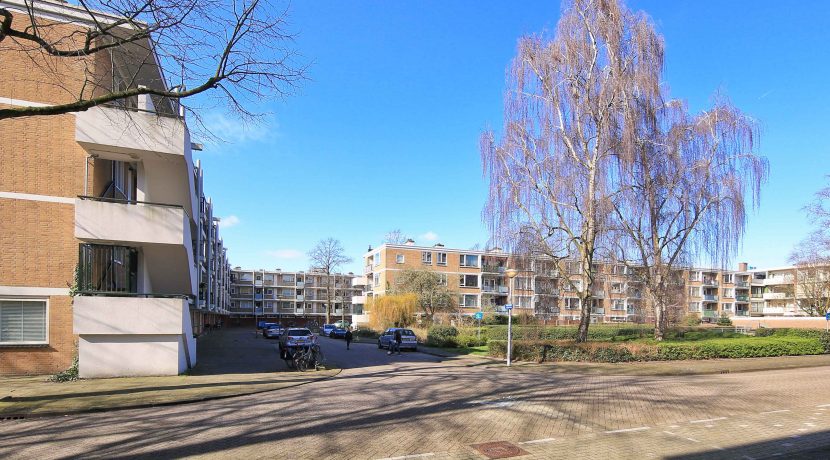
<point>307,358</point>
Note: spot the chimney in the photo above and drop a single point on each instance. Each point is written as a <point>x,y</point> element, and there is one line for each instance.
<point>742,267</point>
<point>438,245</point>
<point>410,242</point>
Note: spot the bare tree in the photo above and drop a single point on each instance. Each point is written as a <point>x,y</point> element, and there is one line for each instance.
<point>326,257</point>
<point>552,173</point>
<point>433,294</point>
<point>235,49</point>
<point>682,193</point>
<point>395,236</point>
<point>812,259</point>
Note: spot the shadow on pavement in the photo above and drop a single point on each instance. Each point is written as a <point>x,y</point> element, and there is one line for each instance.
<point>236,351</point>
<point>807,446</point>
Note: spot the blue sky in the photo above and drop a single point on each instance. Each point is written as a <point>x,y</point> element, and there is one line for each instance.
<point>385,133</point>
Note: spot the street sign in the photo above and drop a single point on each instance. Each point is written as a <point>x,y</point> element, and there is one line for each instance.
<point>827,316</point>
<point>478,315</point>
<point>508,307</point>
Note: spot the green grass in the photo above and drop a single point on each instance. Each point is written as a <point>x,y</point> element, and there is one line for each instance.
<point>482,350</point>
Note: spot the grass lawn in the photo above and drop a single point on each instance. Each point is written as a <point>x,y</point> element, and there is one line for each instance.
<point>482,350</point>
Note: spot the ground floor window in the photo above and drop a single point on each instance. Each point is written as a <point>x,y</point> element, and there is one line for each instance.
<point>23,322</point>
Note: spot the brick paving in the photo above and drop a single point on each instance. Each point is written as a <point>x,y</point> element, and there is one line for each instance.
<point>413,408</point>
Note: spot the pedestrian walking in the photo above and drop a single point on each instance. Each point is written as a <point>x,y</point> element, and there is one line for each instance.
<point>398,340</point>
<point>348,337</point>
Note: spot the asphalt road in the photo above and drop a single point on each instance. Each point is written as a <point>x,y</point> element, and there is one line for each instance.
<point>417,406</point>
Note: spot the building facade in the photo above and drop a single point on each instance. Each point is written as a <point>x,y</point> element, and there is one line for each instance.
<point>293,298</point>
<point>479,278</point>
<point>108,247</point>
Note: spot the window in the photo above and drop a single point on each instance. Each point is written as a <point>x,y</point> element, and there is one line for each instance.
<point>571,303</point>
<point>521,282</point>
<point>616,288</point>
<point>375,279</point>
<point>442,258</point>
<point>376,259</point>
<point>399,259</point>
<point>468,300</point>
<point>442,279</point>
<point>729,292</point>
<point>468,280</point>
<point>259,277</point>
<point>469,260</point>
<point>426,258</point>
<point>694,291</point>
<point>269,291</point>
<point>105,268</point>
<point>23,322</point>
<point>726,306</point>
<point>727,278</point>
<point>694,276</point>
<point>618,304</point>
<point>288,278</point>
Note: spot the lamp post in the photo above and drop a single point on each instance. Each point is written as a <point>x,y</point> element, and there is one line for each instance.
<point>511,273</point>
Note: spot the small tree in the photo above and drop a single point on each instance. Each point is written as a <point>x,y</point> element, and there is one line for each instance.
<point>391,310</point>
<point>395,236</point>
<point>326,257</point>
<point>812,259</point>
<point>433,295</point>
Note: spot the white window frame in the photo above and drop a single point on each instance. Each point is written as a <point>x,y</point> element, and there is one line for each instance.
<point>463,300</point>
<point>463,261</point>
<point>462,280</point>
<point>426,257</point>
<point>726,306</point>
<point>694,306</point>
<point>441,259</point>
<point>45,301</point>
<point>376,259</point>
<point>442,279</point>
<point>694,291</point>
<point>399,258</point>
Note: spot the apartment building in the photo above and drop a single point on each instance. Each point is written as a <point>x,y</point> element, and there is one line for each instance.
<point>293,298</point>
<point>108,248</point>
<point>479,277</point>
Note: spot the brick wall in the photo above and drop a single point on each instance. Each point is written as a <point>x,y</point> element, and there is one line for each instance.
<point>56,356</point>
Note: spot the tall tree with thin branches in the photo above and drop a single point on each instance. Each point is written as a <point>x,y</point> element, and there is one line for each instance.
<point>811,257</point>
<point>553,172</point>
<point>327,256</point>
<point>682,193</point>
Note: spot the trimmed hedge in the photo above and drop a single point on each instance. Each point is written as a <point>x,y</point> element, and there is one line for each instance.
<point>611,352</point>
<point>568,332</point>
<point>442,336</point>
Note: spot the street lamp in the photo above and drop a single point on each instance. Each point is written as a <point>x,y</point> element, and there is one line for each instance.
<point>511,273</point>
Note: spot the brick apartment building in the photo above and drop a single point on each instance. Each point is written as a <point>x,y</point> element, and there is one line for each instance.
<point>106,204</point>
<point>294,298</point>
<point>479,278</point>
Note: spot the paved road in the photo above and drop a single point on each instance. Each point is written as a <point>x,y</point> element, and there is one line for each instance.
<point>398,406</point>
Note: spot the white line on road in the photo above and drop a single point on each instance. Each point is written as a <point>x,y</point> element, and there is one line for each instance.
<point>669,432</point>
<point>692,439</point>
<point>775,411</point>
<point>823,405</point>
<point>708,420</point>
<point>405,457</point>
<point>626,430</point>
<point>538,441</point>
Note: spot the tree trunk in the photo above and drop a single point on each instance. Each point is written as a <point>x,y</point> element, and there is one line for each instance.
<point>659,321</point>
<point>584,320</point>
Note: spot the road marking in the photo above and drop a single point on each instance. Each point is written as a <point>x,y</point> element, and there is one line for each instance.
<point>669,432</point>
<point>778,424</point>
<point>674,426</point>
<point>708,426</point>
<point>775,411</point>
<point>405,457</point>
<point>538,441</point>
<point>692,439</point>
<point>626,430</point>
<point>823,405</point>
<point>717,447</point>
<point>743,426</point>
<point>747,457</point>
<point>708,420</point>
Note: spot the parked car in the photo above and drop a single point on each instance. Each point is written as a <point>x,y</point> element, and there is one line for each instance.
<point>293,338</point>
<point>408,339</point>
<point>341,323</point>
<point>273,332</point>
<point>337,333</point>
<point>326,329</point>
<point>266,325</point>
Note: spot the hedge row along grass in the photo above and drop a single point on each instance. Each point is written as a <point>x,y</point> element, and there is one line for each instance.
<point>617,352</point>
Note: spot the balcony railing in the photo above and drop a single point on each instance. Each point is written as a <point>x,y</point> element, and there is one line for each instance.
<point>710,282</point>
<point>742,298</point>
<point>492,268</point>
<point>712,298</point>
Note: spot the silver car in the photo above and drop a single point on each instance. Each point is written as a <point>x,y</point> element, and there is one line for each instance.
<point>408,339</point>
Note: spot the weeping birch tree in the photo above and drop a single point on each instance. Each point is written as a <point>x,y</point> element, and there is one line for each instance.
<point>553,172</point>
<point>682,194</point>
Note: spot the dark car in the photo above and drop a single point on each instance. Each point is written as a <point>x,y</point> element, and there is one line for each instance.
<point>338,333</point>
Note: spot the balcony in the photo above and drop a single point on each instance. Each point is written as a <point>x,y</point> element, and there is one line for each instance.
<point>710,313</point>
<point>367,269</point>
<point>597,311</point>
<point>742,284</point>
<point>741,313</point>
<point>774,310</point>
<point>128,132</point>
<point>598,294</point>
<point>778,280</point>
<point>492,268</point>
<point>775,295</point>
<point>710,298</point>
<point>742,298</point>
<point>300,298</point>
<point>710,282</point>
<point>118,221</point>
<point>359,300</point>
<point>359,281</point>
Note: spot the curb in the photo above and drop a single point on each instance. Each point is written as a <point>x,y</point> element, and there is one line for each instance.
<point>26,416</point>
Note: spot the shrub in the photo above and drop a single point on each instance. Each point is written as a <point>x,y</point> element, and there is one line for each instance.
<point>442,336</point>
<point>68,375</point>
<point>724,321</point>
<point>691,320</point>
<point>610,352</point>
<point>366,333</point>
<point>469,340</point>
<point>494,319</point>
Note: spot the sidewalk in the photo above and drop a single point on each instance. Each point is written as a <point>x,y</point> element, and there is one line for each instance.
<point>231,363</point>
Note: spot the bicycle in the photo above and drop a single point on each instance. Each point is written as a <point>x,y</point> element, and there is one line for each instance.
<point>307,358</point>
